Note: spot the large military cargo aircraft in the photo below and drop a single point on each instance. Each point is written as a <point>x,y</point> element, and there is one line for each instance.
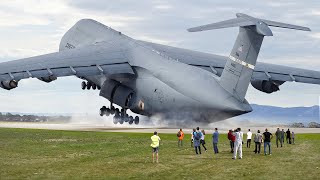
<point>151,79</point>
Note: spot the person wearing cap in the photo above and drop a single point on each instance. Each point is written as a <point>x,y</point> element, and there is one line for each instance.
<point>155,142</point>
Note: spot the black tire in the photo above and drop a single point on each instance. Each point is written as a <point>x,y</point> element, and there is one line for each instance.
<point>117,111</point>
<point>98,87</point>
<point>83,85</point>
<point>107,112</point>
<point>130,122</point>
<point>121,120</point>
<point>115,120</point>
<point>88,85</point>
<point>94,86</point>
<point>136,120</point>
<point>112,110</point>
<point>101,112</point>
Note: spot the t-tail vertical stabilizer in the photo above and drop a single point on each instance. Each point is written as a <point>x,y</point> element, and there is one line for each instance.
<point>238,70</point>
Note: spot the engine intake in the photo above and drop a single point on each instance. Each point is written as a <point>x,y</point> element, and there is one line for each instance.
<point>266,86</point>
<point>117,93</point>
<point>8,85</point>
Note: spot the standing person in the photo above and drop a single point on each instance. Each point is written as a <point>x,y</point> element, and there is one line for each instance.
<point>267,136</point>
<point>215,140</point>
<point>249,136</point>
<point>155,139</point>
<point>196,140</point>
<point>202,140</point>
<point>180,136</point>
<point>292,137</point>
<point>238,144</point>
<point>231,138</point>
<point>194,130</point>
<point>282,136</point>
<point>278,137</point>
<point>257,141</point>
<point>288,135</point>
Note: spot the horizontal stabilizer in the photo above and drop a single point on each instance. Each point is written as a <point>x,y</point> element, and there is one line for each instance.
<point>243,20</point>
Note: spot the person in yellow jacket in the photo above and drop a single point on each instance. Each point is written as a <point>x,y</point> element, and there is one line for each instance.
<point>155,145</point>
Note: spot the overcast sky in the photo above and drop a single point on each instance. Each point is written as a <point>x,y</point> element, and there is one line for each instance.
<point>34,27</point>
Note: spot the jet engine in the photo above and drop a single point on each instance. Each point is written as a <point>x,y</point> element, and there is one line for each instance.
<point>266,86</point>
<point>116,92</point>
<point>9,84</point>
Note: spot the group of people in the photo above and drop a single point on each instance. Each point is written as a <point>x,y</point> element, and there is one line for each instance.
<point>234,136</point>
<point>236,140</point>
<point>198,140</point>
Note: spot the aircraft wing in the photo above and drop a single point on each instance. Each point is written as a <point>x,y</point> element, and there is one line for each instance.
<point>101,58</point>
<point>215,64</point>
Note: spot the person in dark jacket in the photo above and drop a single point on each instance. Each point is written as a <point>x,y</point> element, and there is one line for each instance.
<point>288,135</point>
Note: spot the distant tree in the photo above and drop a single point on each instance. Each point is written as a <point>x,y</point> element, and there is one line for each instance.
<point>298,125</point>
<point>314,125</point>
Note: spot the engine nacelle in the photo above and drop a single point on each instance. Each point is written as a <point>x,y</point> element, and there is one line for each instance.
<point>116,92</point>
<point>48,79</point>
<point>8,85</point>
<point>266,86</point>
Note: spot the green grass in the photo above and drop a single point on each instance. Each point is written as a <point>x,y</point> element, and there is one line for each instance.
<point>49,154</point>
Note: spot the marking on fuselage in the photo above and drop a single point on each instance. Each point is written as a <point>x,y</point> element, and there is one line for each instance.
<point>250,66</point>
<point>70,46</point>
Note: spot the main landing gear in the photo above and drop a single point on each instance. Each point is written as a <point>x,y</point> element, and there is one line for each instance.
<point>119,116</point>
<point>89,85</point>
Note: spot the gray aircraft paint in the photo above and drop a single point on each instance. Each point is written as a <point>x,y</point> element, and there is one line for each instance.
<point>164,82</point>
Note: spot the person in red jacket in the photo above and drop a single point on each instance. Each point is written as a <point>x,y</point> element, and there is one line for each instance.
<point>231,138</point>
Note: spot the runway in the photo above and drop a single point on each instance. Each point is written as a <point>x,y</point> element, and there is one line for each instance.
<point>137,129</point>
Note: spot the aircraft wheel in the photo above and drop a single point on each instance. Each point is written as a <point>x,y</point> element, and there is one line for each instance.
<point>94,86</point>
<point>136,120</point>
<point>112,110</point>
<point>88,85</point>
<point>98,87</point>
<point>103,110</point>
<point>83,85</point>
<point>107,112</point>
<point>115,120</point>
<point>130,122</point>
<point>121,120</point>
<point>117,111</point>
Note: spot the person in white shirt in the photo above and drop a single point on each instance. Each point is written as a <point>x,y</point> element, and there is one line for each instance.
<point>249,136</point>
<point>238,144</point>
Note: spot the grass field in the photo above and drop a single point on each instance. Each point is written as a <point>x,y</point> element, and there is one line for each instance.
<point>49,154</point>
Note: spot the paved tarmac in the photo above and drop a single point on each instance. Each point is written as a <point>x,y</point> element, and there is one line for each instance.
<point>138,129</point>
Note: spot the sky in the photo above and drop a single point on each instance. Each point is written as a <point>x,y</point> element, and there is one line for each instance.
<point>34,27</point>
